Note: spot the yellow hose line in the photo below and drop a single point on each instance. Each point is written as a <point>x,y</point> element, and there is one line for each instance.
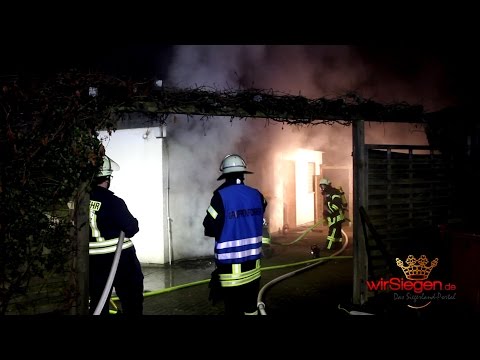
<point>156,292</point>
<point>161,291</point>
<point>301,236</point>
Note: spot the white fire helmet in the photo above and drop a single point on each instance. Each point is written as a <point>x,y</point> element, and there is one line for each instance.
<point>108,167</point>
<point>233,163</point>
<point>325,181</point>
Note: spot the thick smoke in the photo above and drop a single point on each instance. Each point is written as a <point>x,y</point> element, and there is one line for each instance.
<point>196,146</point>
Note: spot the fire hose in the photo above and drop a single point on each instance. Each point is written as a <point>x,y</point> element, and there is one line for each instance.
<point>303,234</point>
<point>261,304</point>
<point>111,276</point>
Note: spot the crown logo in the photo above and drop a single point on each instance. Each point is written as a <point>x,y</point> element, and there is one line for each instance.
<point>417,269</point>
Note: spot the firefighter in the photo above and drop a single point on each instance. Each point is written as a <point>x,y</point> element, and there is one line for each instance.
<point>108,216</point>
<point>235,219</point>
<point>333,212</point>
<point>267,250</point>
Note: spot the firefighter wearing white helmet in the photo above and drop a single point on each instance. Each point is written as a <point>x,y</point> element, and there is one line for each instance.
<point>333,212</point>
<point>109,215</point>
<point>324,181</point>
<point>108,167</point>
<point>235,219</point>
<point>233,163</point>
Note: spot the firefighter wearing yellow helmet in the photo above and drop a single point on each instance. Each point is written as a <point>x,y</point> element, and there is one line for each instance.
<point>235,219</point>
<point>333,211</point>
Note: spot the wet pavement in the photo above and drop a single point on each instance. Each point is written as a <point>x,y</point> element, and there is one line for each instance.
<point>307,287</point>
<point>182,288</point>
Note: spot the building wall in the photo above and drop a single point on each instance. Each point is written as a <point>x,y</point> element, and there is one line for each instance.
<point>140,183</point>
<point>167,183</point>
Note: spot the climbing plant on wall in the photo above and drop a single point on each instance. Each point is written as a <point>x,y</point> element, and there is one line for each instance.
<point>48,149</point>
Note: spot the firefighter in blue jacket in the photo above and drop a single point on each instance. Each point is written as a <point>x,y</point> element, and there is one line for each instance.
<point>235,219</point>
<point>108,216</point>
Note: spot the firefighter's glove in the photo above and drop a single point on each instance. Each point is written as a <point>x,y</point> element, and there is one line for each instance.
<point>215,294</point>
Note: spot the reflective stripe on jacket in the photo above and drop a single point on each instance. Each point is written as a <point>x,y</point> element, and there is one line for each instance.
<point>266,238</point>
<point>241,236</point>
<point>334,209</point>
<point>107,246</point>
<point>108,216</point>
<point>237,277</point>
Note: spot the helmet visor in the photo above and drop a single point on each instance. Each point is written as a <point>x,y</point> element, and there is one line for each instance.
<point>108,167</point>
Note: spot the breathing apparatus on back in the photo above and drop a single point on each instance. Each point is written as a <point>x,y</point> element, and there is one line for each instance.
<point>344,199</point>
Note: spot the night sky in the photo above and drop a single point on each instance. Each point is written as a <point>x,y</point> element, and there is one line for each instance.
<point>459,70</point>
<point>43,58</point>
<point>460,65</point>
